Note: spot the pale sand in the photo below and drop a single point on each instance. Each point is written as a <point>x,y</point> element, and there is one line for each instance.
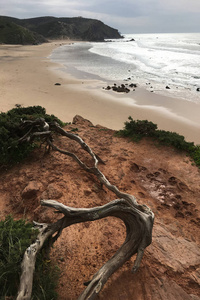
<point>28,77</point>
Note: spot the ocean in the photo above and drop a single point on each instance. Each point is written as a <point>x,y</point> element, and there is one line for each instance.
<point>152,61</point>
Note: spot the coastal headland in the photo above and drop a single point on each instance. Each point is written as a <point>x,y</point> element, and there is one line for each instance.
<point>29,77</point>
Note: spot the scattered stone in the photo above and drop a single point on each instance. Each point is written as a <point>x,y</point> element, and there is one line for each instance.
<point>57,83</point>
<point>133,85</point>
<point>198,89</point>
<point>87,192</point>
<point>31,190</point>
<point>167,87</point>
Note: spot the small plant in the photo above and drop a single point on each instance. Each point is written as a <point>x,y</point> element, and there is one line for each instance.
<point>74,129</point>
<point>15,237</point>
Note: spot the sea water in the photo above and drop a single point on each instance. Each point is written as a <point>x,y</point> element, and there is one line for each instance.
<point>153,61</point>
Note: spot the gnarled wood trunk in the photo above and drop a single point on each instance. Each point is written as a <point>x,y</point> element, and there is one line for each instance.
<point>137,218</point>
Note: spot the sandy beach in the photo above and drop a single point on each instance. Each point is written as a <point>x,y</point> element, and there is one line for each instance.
<point>28,77</point>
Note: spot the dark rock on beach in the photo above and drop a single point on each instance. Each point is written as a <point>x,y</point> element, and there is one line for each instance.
<point>133,85</point>
<point>121,88</point>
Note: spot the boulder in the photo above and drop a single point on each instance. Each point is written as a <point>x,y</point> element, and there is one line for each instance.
<point>78,120</point>
<point>31,190</point>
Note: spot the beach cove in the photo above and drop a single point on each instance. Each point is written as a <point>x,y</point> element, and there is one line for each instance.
<point>28,77</point>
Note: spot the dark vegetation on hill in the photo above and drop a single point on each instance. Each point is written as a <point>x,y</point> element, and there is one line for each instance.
<point>38,30</point>
<point>12,33</point>
<point>12,129</point>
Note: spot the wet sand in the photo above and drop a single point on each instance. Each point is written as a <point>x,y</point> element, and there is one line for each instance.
<point>28,77</point>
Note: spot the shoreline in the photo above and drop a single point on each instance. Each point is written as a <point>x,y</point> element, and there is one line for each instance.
<point>28,77</point>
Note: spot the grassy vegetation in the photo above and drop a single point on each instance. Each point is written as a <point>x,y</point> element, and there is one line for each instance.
<point>15,237</point>
<point>136,130</point>
<point>11,130</point>
<point>12,33</point>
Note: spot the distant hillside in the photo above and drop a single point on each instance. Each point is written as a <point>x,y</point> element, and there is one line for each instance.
<point>12,33</point>
<point>36,30</point>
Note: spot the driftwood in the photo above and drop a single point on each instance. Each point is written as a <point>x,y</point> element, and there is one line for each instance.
<point>137,218</point>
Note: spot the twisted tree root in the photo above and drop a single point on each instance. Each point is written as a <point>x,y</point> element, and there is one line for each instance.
<point>137,218</point>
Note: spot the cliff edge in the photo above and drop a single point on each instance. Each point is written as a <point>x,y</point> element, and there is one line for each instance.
<point>161,177</point>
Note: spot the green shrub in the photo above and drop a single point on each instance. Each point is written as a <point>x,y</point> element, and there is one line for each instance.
<point>139,129</point>
<point>15,237</point>
<point>11,130</point>
<point>169,138</point>
<point>195,154</point>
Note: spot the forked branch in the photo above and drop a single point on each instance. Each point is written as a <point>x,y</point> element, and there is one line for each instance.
<point>137,218</point>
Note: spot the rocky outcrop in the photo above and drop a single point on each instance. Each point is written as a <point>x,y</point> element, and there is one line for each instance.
<point>78,120</point>
<point>175,253</point>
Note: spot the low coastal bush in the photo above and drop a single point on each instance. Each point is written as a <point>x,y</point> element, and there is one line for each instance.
<point>15,237</point>
<point>195,154</point>
<point>11,130</point>
<point>136,130</point>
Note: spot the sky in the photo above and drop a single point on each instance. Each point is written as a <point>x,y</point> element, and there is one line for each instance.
<point>128,16</point>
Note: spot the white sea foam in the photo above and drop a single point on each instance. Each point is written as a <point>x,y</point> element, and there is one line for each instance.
<point>151,60</point>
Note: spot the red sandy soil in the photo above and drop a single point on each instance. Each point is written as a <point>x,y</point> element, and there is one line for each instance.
<point>160,177</point>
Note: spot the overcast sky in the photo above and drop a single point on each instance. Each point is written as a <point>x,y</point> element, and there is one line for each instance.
<point>128,16</point>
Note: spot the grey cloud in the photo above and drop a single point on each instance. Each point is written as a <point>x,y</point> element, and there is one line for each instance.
<point>127,15</point>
